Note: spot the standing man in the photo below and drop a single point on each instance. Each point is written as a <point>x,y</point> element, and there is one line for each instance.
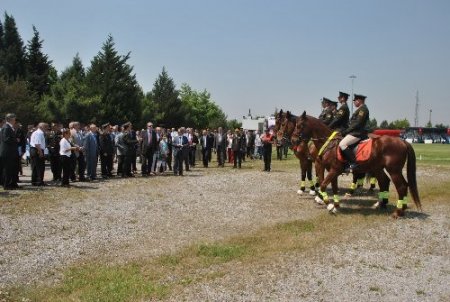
<point>220,142</point>
<point>267,139</point>
<point>37,147</point>
<point>78,140</point>
<point>236,145</point>
<point>205,142</point>
<point>340,120</point>
<point>9,153</point>
<point>355,131</point>
<point>149,145</point>
<point>130,144</point>
<point>91,152</point>
<point>106,150</point>
<point>53,148</point>
<point>179,142</point>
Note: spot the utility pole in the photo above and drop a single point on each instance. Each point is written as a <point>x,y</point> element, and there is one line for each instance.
<point>429,122</point>
<point>353,77</point>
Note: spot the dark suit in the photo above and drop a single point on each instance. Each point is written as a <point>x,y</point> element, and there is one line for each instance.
<point>130,151</point>
<point>237,145</point>
<point>178,144</point>
<point>91,153</point>
<point>9,156</point>
<point>220,144</point>
<point>149,146</point>
<point>206,142</point>
<point>106,145</point>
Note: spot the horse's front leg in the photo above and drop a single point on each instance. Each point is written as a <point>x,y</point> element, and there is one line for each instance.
<point>322,196</point>
<point>303,176</point>
<point>334,206</point>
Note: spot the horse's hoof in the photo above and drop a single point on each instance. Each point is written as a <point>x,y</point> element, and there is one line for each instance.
<point>348,194</point>
<point>377,205</point>
<point>312,192</point>
<point>300,192</point>
<point>332,209</point>
<point>398,213</point>
<point>319,200</point>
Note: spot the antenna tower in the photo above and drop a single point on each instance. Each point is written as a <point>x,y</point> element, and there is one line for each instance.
<point>416,116</point>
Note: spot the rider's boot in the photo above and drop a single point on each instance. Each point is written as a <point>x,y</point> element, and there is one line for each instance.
<point>350,156</point>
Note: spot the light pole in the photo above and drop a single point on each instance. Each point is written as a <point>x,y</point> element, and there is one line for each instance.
<point>353,77</point>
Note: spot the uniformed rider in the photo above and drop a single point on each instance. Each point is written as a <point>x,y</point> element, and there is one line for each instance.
<point>327,114</point>
<point>356,130</point>
<point>340,120</point>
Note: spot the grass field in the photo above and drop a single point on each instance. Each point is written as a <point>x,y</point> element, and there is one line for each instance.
<point>432,154</point>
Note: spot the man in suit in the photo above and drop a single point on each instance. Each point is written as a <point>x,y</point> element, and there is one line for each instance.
<point>149,145</point>
<point>91,152</point>
<point>9,153</point>
<point>237,142</point>
<point>220,144</point>
<point>179,142</point>
<point>206,143</point>
<point>79,160</point>
<point>130,144</point>
<point>106,150</point>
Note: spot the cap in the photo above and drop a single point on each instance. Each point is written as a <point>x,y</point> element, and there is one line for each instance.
<point>105,125</point>
<point>237,129</point>
<point>343,95</point>
<point>126,124</point>
<point>359,97</point>
<point>334,103</point>
<point>10,116</point>
<point>326,100</point>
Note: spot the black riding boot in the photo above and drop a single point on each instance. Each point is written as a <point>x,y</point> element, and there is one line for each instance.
<point>350,156</point>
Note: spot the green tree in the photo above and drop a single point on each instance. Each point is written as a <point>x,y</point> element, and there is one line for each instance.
<point>233,124</point>
<point>441,126</point>
<point>15,98</point>
<point>384,125</point>
<point>372,124</point>
<point>201,111</point>
<point>13,56</point>
<point>68,99</point>
<point>168,108</point>
<point>112,87</point>
<point>38,67</point>
<point>2,49</point>
<point>399,124</point>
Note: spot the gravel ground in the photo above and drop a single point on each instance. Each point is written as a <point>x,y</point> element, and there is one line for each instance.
<point>123,219</point>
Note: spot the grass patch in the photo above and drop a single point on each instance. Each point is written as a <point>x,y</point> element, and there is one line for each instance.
<point>432,154</point>
<point>216,253</point>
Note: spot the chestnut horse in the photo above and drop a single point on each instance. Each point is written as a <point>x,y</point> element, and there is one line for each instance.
<point>284,127</point>
<point>389,153</point>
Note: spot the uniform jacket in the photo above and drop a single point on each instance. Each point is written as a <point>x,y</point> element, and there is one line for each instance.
<point>106,144</point>
<point>340,120</point>
<point>326,116</point>
<point>129,143</point>
<point>358,122</point>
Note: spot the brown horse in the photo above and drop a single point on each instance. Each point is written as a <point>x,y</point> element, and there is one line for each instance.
<point>284,127</point>
<point>389,153</point>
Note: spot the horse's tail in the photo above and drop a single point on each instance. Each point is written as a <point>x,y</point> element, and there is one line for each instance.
<point>411,172</point>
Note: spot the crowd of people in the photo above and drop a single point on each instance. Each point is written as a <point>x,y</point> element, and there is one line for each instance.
<point>74,151</point>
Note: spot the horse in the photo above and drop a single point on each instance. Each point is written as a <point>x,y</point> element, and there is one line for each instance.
<point>388,153</point>
<point>284,127</point>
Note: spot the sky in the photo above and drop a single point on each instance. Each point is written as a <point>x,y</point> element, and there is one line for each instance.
<point>264,55</point>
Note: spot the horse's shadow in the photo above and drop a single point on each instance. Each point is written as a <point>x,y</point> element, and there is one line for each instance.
<point>366,209</point>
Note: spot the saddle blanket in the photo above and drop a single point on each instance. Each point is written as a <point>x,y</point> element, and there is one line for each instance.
<point>362,151</point>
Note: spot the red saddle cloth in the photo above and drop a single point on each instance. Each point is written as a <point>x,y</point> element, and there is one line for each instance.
<point>363,151</point>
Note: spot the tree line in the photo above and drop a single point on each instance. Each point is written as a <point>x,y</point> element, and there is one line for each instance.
<point>105,91</point>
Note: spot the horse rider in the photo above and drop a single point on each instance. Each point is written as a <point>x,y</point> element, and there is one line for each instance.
<point>327,114</point>
<point>356,130</point>
<point>340,120</point>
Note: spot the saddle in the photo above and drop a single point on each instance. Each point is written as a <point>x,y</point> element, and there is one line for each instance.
<point>362,150</point>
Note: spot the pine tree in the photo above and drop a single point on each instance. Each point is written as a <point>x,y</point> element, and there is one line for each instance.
<point>110,78</point>
<point>38,67</point>
<point>2,49</point>
<point>13,57</point>
<point>168,107</point>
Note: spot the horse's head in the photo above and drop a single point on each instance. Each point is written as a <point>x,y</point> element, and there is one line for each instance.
<point>287,125</point>
<point>278,120</point>
<point>302,130</point>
